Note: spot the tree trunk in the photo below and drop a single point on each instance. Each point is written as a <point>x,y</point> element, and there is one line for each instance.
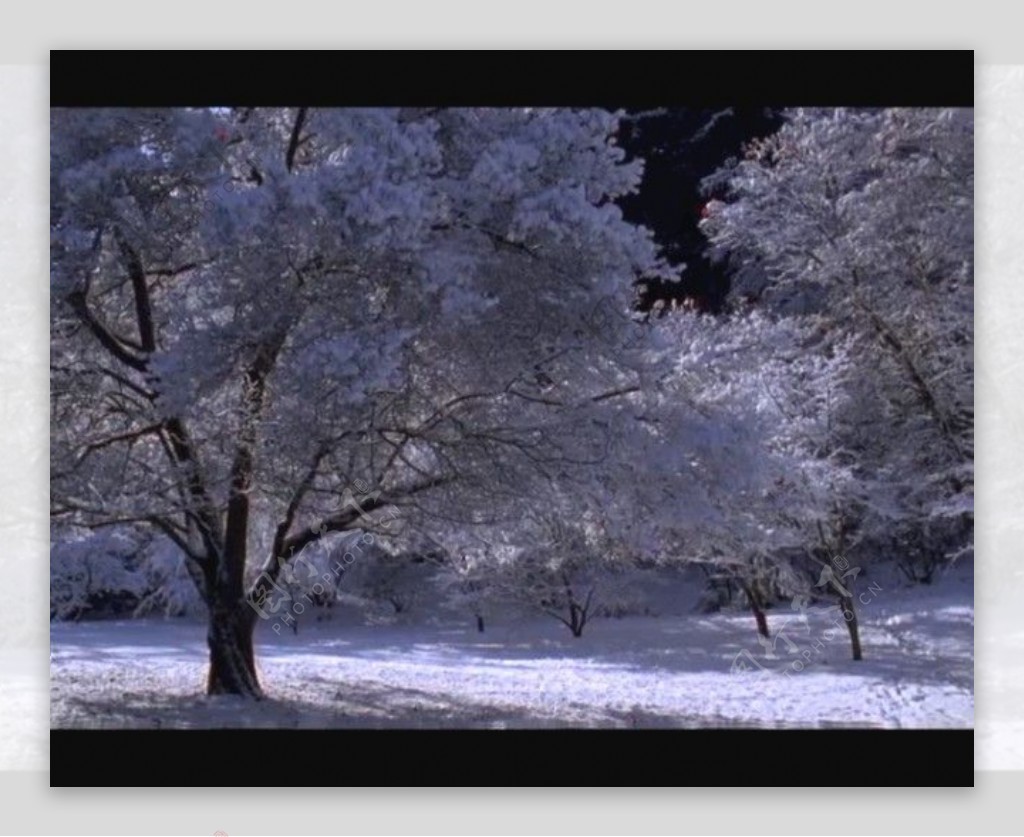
<point>479,624</point>
<point>761,619</point>
<point>757,609</point>
<point>232,663</point>
<point>577,619</point>
<point>850,617</point>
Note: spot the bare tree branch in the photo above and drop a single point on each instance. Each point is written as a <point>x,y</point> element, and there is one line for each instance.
<point>293,142</point>
<point>113,344</point>
<point>140,290</point>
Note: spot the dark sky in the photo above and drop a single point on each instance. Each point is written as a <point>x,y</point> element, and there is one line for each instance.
<point>681,146</point>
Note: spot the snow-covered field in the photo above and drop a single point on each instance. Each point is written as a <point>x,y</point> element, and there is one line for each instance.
<point>681,670</point>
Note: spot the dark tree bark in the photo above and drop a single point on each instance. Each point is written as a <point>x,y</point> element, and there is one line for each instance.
<point>576,620</point>
<point>232,662</point>
<point>762,621</point>
<point>579,614</point>
<point>850,617</point>
<point>232,620</point>
<point>757,609</point>
<point>846,605</point>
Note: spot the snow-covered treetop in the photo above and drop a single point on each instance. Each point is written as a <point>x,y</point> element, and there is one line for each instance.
<point>398,297</point>
<point>866,218</point>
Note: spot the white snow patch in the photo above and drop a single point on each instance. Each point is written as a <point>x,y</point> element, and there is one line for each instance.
<point>632,672</point>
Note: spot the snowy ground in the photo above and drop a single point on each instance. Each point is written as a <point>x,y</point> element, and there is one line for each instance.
<point>632,672</point>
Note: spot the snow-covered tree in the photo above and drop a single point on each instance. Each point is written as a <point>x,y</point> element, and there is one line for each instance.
<point>118,571</point>
<point>310,316</point>
<point>741,474</point>
<point>865,219</point>
<point>466,584</point>
<point>95,573</point>
<point>565,569</point>
<point>169,588</point>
